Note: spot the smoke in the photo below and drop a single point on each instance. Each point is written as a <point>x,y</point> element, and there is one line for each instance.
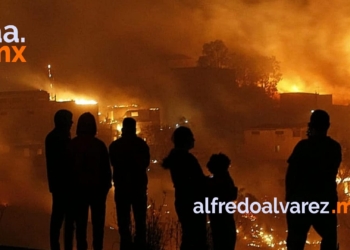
<point>255,178</point>
<point>21,177</point>
<point>115,52</point>
<point>117,49</point>
<point>25,202</point>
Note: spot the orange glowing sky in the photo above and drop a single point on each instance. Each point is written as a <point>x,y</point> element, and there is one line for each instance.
<point>122,44</point>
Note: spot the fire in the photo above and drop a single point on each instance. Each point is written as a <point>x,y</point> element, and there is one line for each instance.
<point>297,84</point>
<point>295,88</point>
<point>119,128</point>
<point>79,101</point>
<point>291,85</point>
<point>85,102</point>
<point>64,100</point>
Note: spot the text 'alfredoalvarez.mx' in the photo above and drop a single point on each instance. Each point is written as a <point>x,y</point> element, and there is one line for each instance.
<point>213,206</point>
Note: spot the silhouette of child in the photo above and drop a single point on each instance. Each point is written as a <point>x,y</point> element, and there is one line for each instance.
<point>221,185</point>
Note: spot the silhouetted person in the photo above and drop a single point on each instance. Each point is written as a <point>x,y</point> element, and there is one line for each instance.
<point>56,143</point>
<point>311,176</point>
<point>221,186</point>
<point>130,158</point>
<point>189,184</point>
<point>91,181</point>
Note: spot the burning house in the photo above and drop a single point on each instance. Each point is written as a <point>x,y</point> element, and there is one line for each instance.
<point>148,122</point>
<point>276,141</point>
<point>296,107</point>
<point>273,142</point>
<point>27,117</point>
<point>148,126</point>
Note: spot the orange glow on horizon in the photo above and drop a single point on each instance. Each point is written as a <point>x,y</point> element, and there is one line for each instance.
<point>295,88</point>
<point>85,102</point>
<point>79,101</point>
<point>294,84</point>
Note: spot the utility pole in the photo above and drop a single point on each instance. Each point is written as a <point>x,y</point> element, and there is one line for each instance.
<point>52,95</point>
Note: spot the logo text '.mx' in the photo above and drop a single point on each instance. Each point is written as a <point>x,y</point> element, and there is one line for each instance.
<point>11,36</point>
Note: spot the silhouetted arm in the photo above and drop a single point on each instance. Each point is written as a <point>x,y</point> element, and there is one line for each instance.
<point>197,176</point>
<point>112,152</point>
<point>56,160</point>
<point>292,171</point>
<point>145,156</point>
<point>106,167</point>
<point>233,190</point>
<point>225,187</point>
<point>197,169</point>
<point>50,163</point>
<point>290,180</point>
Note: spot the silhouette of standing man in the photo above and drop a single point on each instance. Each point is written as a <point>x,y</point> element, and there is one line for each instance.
<point>130,158</point>
<point>56,143</point>
<point>311,177</point>
<point>189,183</point>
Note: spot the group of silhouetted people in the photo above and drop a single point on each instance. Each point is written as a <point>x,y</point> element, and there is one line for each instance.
<point>80,175</point>
<point>311,177</point>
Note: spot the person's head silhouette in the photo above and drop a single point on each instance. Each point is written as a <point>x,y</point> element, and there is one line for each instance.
<point>86,125</point>
<point>319,123</point>
<point>218,164</point>
<point>129,126</point>
<point>63,120</point>
<point>183,138</point>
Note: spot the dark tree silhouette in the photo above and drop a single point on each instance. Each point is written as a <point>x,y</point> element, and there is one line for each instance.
<point>250,69</point>
<point>256,70</point>
<point>215,55</point>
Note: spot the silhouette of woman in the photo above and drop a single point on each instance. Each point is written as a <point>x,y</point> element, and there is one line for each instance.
<point>189,184</point>
<point>91,181</point>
